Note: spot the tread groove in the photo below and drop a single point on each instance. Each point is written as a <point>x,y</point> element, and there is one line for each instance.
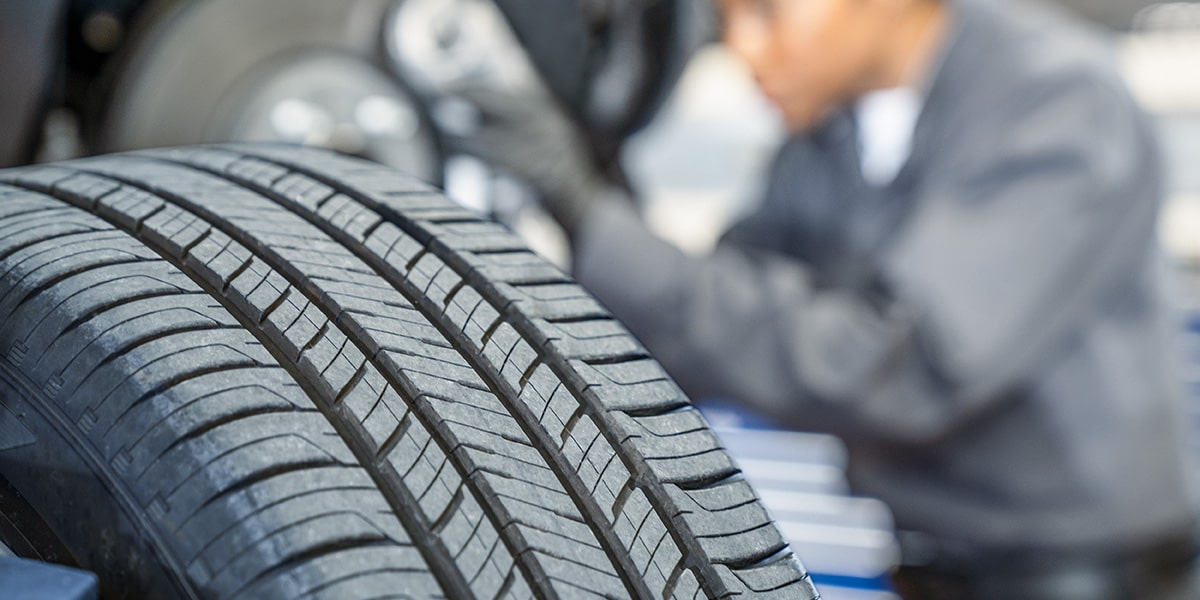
<point>274,305</point>
<point>412,262</point>
<point>86,234</point>
<point>350,385</point>
<point>235,274</point>
<point>118,303</point>
<point>61,277</point>
<point>232,417</point>
<point>541,282</point>
<point>394,438</point>
<point>453,291</point>
<point>502,251</point>
<point>673,579</point>
<point>141,222</point>
<point>315,339</point>
<point>574,319</point>
<point>313,553</point>
<point>187,250</point>
<point>506,586</point>
<point>136,343</point>
<point>491,330</point>
<point>265,474</point>
<point>439,524</point>
<point>371,229</point>
<point>529,371</point>
<point>259,509</point>
<point>177,380</point>
<point>616,359</point>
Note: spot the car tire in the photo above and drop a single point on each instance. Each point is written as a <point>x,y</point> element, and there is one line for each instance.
<point>271,372</point>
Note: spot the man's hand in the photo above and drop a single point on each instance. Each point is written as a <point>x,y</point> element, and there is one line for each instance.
<point>528,134</point>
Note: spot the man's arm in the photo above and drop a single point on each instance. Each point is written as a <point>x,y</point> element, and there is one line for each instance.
<point>1005,260</point>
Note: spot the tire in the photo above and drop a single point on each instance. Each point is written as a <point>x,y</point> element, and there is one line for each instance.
<point>267,372</point>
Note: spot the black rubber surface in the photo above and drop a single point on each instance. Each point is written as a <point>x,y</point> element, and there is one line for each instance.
<point>266,372</point>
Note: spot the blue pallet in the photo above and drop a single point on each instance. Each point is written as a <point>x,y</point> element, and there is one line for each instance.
<point>23,579</point>
<point>812,468</point>
<point>846,543</point>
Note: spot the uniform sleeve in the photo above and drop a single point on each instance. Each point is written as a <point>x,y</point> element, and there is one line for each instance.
<point>1001,266</point>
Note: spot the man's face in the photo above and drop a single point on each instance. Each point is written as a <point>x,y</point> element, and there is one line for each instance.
<point>807,56</point>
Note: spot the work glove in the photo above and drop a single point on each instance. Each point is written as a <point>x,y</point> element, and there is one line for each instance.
<point>527,133</point>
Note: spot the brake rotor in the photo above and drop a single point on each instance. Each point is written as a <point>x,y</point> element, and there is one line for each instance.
<point>300,71</point>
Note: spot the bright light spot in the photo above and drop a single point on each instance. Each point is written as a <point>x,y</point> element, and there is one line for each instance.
<point>385,116</point>
<point>301,121</point>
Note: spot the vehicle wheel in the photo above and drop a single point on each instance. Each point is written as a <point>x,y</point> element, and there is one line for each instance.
<point>268,372</point>
<point>292,71</point>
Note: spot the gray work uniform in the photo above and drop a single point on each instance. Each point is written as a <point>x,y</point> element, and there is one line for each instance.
<point>985,332</point>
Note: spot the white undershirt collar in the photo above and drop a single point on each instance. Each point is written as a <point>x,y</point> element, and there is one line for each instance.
<point>887,121</point>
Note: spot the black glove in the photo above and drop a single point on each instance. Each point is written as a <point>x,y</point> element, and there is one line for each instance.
<point>528,134</point>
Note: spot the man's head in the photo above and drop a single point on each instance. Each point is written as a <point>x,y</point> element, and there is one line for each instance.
<point>812,56</point>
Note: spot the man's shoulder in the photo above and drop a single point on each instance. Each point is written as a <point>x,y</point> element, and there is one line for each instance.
<point>1026,89</point>
<point>1011,48</point>
<point>1016,66</point>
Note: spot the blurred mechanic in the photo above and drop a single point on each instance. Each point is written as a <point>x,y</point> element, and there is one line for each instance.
<point>952,270</point>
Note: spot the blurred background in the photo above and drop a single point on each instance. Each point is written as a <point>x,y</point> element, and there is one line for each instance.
<point>699,165</point>
<point>661,105</point>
